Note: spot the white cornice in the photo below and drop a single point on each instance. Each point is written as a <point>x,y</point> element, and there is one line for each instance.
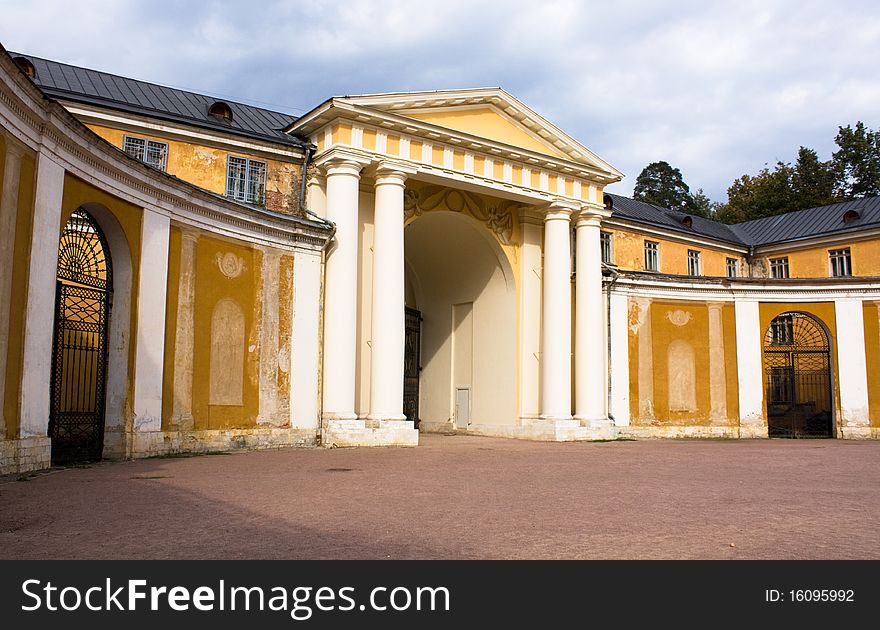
<point>835,238</point>
<point>672,235</point>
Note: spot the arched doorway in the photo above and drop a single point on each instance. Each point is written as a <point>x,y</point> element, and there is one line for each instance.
<point>797,373</point>
<point>79,354</point>
<point>461,300</point>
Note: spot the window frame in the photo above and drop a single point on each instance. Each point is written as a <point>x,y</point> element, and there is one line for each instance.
<point>732,264</point>
<point>780,263</point>
<point>694,263</point>
<point>146,150</point>
<point>653,248</point>
<point>840,257</point>
<point>606,241</point>
<point>255,197</point>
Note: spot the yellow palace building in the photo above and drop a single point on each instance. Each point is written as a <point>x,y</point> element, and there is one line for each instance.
<point>180,274</point>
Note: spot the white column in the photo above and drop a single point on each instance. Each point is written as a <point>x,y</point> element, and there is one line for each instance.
<point>619,359</point>
<point>184,343</point>
<point>150,340</point>
<point>717,371</point>
<point>851,363</point>
<point>589,353</point>
<point>340,288</point>
<point>530,316</point>
<point>556,331</point>
<point>40,309</point>
<point>8,217</point>
<point>749,369</point>
<point>387,336</point>
<point>305,351</point>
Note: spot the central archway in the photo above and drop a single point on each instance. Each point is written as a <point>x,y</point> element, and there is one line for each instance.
<point>462,284</point>
<point>797,372</point>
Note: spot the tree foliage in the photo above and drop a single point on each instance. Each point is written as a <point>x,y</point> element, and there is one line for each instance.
<point>857,161</point>
<point>661,184</point>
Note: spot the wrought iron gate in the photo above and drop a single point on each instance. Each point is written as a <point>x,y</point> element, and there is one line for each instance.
<point>411,367</point>
<point>797,373</point>
<point>79,356</point>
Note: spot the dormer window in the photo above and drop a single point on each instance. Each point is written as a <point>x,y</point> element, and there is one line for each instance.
<point>688,222</point>
<point>851,215</point>
<point>26,66</point>
<point>220,110</point>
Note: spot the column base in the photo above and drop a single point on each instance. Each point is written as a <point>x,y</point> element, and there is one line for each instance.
<point>860,432</point>
<point>567,429</point>
<point>753,431</point>
<point>381,417</point>
<point>341,433</point>
<point>25,455</point>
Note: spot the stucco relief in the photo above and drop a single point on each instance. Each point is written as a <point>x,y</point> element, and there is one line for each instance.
<point>682,376</point>
<point>226,385</point>
<point>640,325</point>
<point>678,318</point>
<point>229,264</point>
<point>497,216</point>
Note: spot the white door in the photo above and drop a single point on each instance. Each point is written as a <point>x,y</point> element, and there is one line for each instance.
<point>462,407</point>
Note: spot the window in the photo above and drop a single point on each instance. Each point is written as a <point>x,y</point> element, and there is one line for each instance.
<point>732,268</point>
<point>607,247</point>
<point>779,267</point>
<point>652,256</point>
<point>782,330</point>
<point>841,264</point>
<point>694,267</point>
<point>147,151</point>
<point>246,180</point>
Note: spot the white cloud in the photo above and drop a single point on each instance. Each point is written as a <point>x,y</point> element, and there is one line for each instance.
<point>717,89</point>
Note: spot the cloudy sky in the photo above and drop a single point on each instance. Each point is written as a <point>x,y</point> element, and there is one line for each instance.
<point>715,88</point>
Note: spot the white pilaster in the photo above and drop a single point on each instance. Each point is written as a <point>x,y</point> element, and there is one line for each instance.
<point>387,322</point>
<point>619,359</point>
<point>851,363</point>
<point>150,340</point>
<point>184,344</point>
<point>556,331</point>
<point>340,292</point>
<point>8,217</point>
<point>270,405</point>
<point>530,316</point>
<point>749,369</point>
<point>40,309</point>
<point>589,354</point>
<point>304,356</point>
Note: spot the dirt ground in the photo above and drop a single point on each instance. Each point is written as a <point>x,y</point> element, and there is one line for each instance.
<point>461,497</point>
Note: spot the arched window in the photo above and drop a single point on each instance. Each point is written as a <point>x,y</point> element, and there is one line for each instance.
<point>220,110</point>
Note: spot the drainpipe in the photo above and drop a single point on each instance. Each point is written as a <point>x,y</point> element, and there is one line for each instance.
<point>609,286</point>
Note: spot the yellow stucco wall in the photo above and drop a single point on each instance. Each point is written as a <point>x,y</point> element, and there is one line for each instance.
<point>694,333</point>
<point>211,286</point>
<point>205,167</point>
<point>21,257</point>
<point>872,350</point>
<point>813,262</point>
<point>486,123</point>
<point>822,311</point>
<point>629,254</point>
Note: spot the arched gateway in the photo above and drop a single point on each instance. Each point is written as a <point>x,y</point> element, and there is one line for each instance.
<point>797,371</point>
<point>79,356</point>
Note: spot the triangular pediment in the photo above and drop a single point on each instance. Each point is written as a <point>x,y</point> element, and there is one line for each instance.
<point>481,113</point>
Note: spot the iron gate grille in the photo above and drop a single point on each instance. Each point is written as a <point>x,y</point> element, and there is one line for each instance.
<point>797,373</point>
<point>79,358</point>
<point>411,367</point>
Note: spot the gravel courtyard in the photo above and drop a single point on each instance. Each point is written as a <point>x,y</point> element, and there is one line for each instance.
<point>461,497</point>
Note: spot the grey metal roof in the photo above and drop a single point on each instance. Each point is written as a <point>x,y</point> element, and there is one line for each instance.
<point>626,208</point>
<point>781,228</point>
<point>72,83</point>
<point>811,222</point>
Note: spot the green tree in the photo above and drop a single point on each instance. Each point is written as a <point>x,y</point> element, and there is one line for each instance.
<point>857,161</point>
<point>701,206</point>
<point>813,182</point>
<point>662,185</point>
<point>763,195</point>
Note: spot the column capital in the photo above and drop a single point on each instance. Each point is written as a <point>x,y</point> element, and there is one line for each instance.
<point>393,172</point>
<point>560,209</point>
<point>13,147</point>
<point>189,234</point>
<point>592,212</point>
<point>338,161</point>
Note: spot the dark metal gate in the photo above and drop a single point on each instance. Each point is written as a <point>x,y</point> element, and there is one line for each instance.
<point>797,376</point>
<point>411,367</point>
<point>79,356</point>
